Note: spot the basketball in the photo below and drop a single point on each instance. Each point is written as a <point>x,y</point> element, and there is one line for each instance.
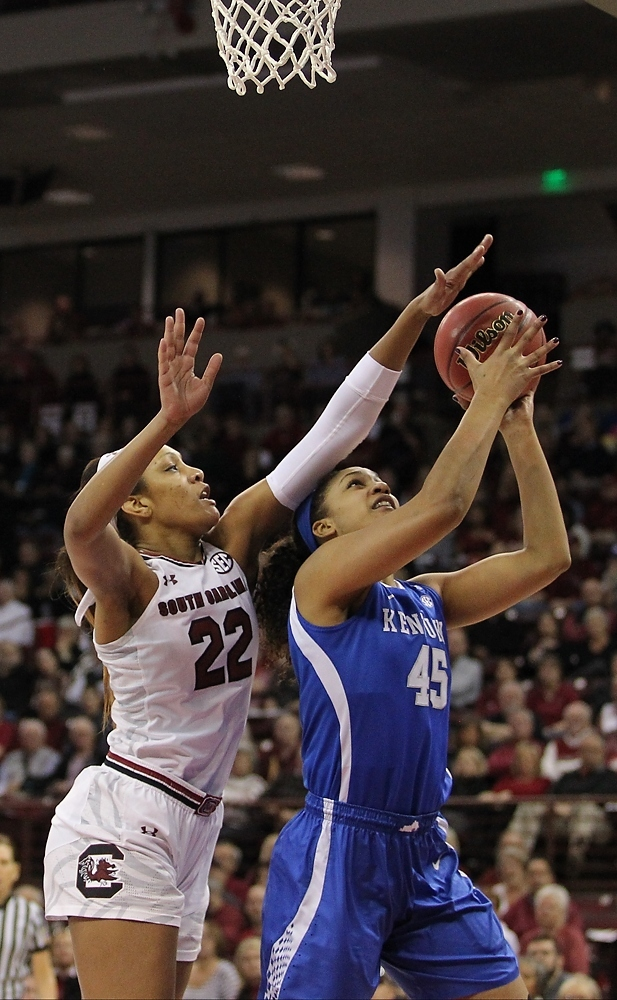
<point>477,323</point>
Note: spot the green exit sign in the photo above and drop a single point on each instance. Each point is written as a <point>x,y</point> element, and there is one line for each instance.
<point>555,181</point>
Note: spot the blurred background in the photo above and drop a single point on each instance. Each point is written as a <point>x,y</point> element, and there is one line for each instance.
<point>299,223</point>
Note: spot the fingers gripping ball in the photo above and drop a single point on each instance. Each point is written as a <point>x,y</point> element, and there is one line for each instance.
<point>477,323</point>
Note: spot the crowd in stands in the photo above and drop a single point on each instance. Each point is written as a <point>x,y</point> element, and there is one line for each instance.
<point>534,690</point>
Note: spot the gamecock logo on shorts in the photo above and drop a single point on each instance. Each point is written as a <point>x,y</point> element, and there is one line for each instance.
<point>97,871</point>
<point>221,562</point>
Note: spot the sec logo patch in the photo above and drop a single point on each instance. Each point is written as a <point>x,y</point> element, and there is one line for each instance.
<point>221,562</point>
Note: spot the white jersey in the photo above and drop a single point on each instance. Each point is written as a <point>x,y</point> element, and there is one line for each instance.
<point>181,675</point>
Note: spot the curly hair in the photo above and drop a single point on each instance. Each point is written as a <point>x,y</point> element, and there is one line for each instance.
<point>277,573</point>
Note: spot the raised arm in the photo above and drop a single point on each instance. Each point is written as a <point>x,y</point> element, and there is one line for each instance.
<point>99,557</point>
<point>264,510</point>
<point>496,583</point>
<point>337,573</point>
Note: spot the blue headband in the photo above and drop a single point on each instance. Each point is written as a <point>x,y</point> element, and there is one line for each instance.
<point>304,523</point>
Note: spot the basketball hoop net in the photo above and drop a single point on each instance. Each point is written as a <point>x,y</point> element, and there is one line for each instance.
<point>263,40</point>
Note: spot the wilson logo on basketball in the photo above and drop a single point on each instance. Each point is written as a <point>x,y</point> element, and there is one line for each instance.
<point>97,871</point>
<point>221,562</point>
<point>483,339</point>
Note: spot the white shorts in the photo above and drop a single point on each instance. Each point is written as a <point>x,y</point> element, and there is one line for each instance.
<point>121,849</point>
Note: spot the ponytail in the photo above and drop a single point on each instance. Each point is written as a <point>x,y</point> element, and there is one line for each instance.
<point>74,588</point>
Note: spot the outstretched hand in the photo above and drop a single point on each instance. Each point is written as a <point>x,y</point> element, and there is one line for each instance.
<point>508,371</point>
<point>182,392</point>
<point>447,285</point>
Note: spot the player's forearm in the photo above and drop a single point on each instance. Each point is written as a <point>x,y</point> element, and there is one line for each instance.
<point>101,498</point>
<point>544,531</point>
<point>456,475</point>
<point>395,346</point>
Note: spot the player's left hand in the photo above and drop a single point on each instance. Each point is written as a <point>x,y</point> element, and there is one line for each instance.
<point>182,392</point>
<point>447,285</point>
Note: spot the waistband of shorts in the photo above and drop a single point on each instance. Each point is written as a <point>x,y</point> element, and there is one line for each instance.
<point>376,819</point>
<point>202,804</point>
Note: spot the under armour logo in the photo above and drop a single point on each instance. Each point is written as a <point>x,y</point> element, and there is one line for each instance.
<point>151,831</point>
<point>169,579</point>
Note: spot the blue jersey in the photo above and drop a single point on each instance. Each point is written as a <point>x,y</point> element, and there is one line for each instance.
<point>374,701</point>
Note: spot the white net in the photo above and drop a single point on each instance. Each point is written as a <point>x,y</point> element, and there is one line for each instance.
<point>263,40</point>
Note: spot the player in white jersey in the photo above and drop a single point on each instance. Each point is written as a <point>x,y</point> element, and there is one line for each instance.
<point>130,847</point>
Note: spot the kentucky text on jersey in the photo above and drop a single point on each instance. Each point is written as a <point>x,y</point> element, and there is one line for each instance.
<point>191,602</point>
<point>374,701</point>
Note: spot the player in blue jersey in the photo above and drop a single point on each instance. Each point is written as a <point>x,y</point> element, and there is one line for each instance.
<point>363,875</point>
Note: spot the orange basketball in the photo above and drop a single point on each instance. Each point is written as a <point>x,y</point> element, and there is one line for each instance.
<point>477,323</point>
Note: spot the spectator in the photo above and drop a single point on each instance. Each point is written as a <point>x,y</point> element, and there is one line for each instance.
<point>64,965</point>
<point>82,751</point>
<point>16,624</point>
<point>49,708</point>
<point>29,769</point>
<point>81,394</point>
<point>466,671</point>
<point>130,388</point>
<point>551,904</point>
<point>512,884</point>
<point>212,977</point>
<point>545,638</point>
<point>244,787</point>
<point>226,864</point>
<point>524,777</point>
<point>470,772</point>
<point>510,699</point>
<point>562,754</point>
<point>15,679</point>
<point>521,917</point>
<point>607,718</point>
<point>67,645</point>
<point>586,821</point>
<point>263,861</point>
<point>47,671</point>
<point>8,732</point>
<point>522,723</point>
<point>283,435</point>
<point>579,987</point>
<point>225,912</point>
<point>248,964</point>
<point>550,694</point>
<point>253,907</point>
<point>546,953</point>
<point>590,659</point>
<point>530,972</point>
<point>487,705</point>
<point>282,754</point>
<point>24,936</point>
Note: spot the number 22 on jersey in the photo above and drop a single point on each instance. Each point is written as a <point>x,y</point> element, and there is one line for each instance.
<point>234,668</point>
<point>430,668</point>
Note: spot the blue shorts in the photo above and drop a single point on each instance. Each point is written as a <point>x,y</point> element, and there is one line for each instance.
<point>350,889</point>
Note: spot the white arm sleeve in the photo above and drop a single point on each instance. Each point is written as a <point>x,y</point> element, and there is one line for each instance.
<point>343,425</point>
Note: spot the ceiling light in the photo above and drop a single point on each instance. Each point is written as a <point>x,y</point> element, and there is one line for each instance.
<point>88,133</point>
<point>299,172</point>
<point>68,196</point>
<point>325,235</point>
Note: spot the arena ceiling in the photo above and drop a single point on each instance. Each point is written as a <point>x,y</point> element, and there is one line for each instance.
<point>471,98</point>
